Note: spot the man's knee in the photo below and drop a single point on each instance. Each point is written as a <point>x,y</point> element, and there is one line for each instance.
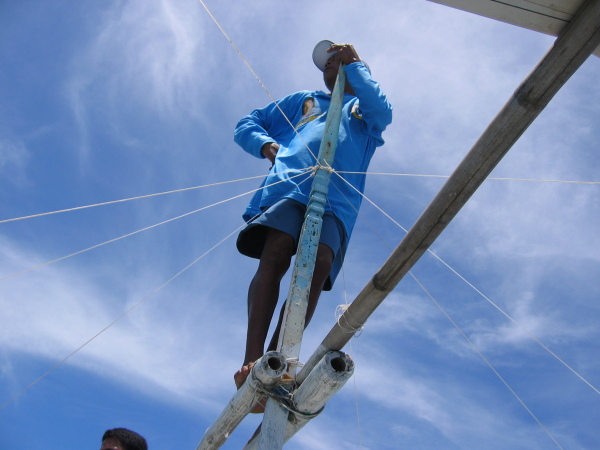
<point>324,260</point>
<point>278,250</point>
<point>276,259</point>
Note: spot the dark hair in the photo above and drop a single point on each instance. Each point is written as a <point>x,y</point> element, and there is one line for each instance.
<point>130,440</point>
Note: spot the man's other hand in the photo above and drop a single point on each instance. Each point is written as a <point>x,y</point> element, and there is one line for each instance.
<point>269,151</point>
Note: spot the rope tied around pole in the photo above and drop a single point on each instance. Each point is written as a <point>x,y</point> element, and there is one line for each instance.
<point>295,362</point>
<point>326,168</point>
<point>341,312</point>
<point>314,169</point>
<point>285,399</point>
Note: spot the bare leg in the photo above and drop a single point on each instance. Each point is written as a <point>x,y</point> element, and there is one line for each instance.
<point>322,270</point>
<point>263,295</point>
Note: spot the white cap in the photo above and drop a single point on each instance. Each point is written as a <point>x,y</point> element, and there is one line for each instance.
<point>320,54</point>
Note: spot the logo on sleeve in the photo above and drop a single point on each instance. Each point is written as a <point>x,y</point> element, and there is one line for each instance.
<point>356,111</point>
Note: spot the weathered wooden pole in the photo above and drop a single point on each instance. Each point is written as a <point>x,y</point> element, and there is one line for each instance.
<point>264,374</point>
<point>323,382</point>
<point>272,433</point>
<point>275,418</point>
<point>297,301</point>
<point>579,39</point>
<point>327,378</point>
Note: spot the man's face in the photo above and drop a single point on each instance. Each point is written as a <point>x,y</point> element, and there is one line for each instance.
<point>111,444</point>
<point>330,73</point>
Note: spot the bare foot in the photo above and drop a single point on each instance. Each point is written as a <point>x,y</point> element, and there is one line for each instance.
<point>240,378</point>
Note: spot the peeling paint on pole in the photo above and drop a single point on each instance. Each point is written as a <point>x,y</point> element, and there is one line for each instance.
<point>272,435</point>
<point>297,300</point>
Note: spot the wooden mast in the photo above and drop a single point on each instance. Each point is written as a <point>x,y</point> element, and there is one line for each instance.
<point>272,434</point>
<point>273,430</point>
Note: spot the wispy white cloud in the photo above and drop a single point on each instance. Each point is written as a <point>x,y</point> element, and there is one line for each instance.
<point>14,156</point>
<point>146,56</point>
<point>51,312</point>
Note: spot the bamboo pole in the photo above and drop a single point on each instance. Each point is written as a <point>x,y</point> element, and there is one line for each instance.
<point>297,301</point>
<point>570,50</point>
<point>275,418</point>
<point>327,378</point>
<point>264,374</point>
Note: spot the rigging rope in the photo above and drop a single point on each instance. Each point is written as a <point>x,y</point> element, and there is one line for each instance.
<point>478,292</point>
<point>489,364</point>
<point>135,306</point>
<point>129,199</point>
<point>257,78</point>
<point>143,300</point>
<point>454,323</point>
<point>147,228</point>
<point>358,427</point>
<point>329,169</point>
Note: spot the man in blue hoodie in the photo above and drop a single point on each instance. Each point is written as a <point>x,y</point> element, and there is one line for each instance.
<point>288,133</point>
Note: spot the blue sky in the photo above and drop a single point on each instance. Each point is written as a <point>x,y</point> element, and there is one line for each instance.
<point>102,101</point>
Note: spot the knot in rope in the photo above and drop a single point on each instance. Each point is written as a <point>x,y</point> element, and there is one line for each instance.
<point>341,312</point>
<point>326,168</point>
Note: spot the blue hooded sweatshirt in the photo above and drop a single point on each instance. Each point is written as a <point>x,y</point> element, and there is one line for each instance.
<point>364,118</point>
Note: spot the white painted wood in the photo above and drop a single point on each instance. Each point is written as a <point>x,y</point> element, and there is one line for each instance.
<point>326,379</point>
<point>546,16</point>
<point>272,429</point>
<point>290,339</point>
<point>265,373</point>
<point>272,435</point>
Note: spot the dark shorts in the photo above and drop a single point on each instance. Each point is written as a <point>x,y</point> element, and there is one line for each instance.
<point>286,215</point>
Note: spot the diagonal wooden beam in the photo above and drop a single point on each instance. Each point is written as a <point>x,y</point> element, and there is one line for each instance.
<point>568,53</point>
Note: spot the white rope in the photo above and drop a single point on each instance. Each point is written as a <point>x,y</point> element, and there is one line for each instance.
<point>341,312</point>
<point>541,344</point>
<point>358,424</point>
<point>452,321</point>
<point>485,360</point>
<point>135,306</point>
<point>130,234</point>
<point>257,77</point>
<point>128,199</point>
<point>148,296</point>
<point>531,335</point>
<point>147,228</point>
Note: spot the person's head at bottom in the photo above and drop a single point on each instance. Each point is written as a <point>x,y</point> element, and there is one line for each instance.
<point>123,439</point>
